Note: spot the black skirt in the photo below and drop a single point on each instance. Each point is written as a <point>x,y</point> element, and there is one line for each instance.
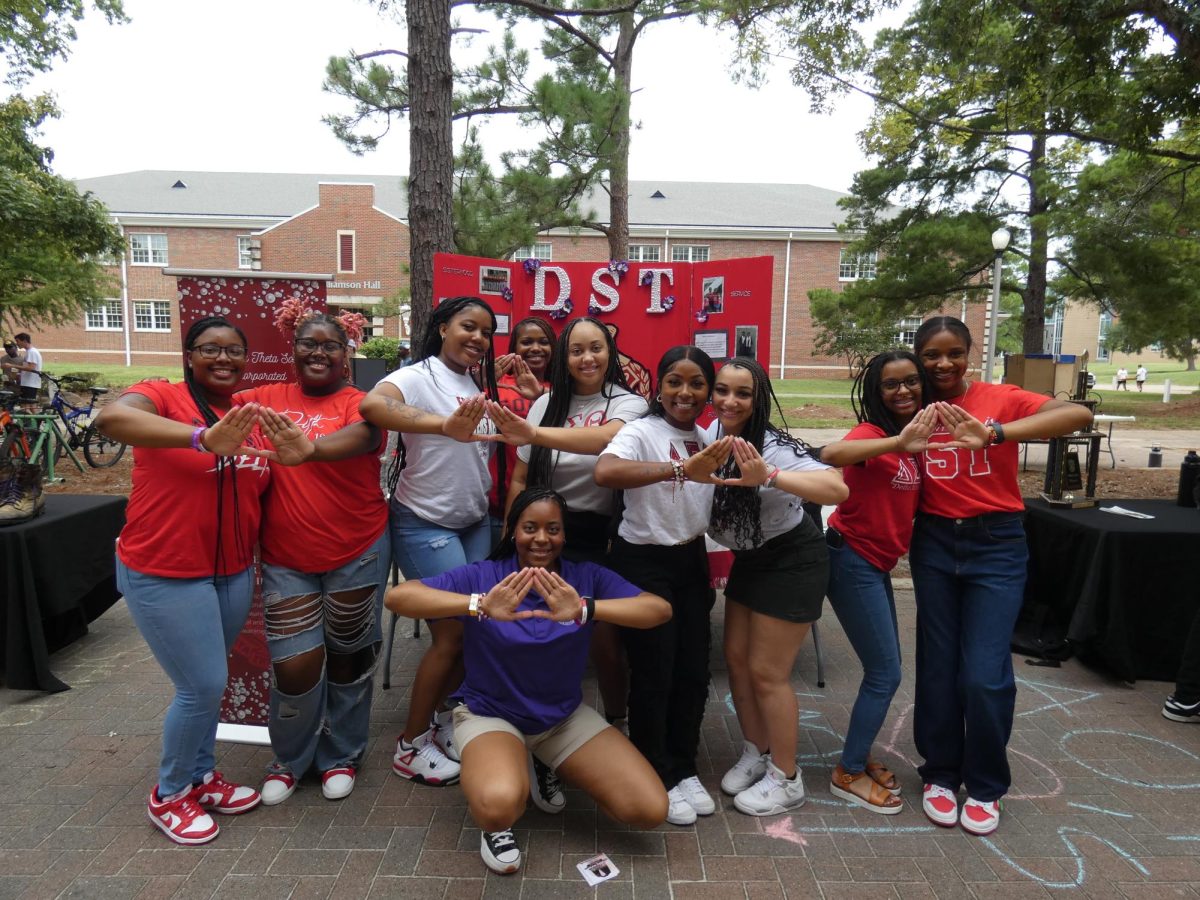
<point>786,577</point>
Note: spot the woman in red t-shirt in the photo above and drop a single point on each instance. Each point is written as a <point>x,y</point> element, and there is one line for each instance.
<point>867,534</point>
<point>185,556</point>
<point>322,600</point>
<point>968,561</point>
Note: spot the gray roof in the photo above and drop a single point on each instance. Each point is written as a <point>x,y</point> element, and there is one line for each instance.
<point>265,194</point>
<point>256,194</point>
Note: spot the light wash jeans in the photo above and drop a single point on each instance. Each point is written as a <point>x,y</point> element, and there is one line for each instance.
<point>861,597</point>
<point>423,549</point>
<point>190,625</point>
<point>328,724</point>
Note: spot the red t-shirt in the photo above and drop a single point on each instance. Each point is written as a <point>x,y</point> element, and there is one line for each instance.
<point>877,518</point>
<point>962,483</point>
<point>319,516</point>
<point>171,521</point>
<point>512,399</point>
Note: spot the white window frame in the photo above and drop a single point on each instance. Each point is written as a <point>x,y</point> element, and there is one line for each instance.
<point>645,252</point>
<point>853,266</point>
<point>154,254</point>
<point>106,316</point>
<point>1103,353</point>
<point>692,253</point>
<point>537,250</point>
<point>245,255</point>
<point>353,252</point>
<point>158,309</point>
<point>906,330</point>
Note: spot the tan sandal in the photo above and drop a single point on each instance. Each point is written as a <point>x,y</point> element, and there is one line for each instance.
<point>864,791</point>
<point>884,777</point>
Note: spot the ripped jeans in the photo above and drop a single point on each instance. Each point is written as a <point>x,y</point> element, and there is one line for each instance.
<point>423,549</point>
<point>334,618</point>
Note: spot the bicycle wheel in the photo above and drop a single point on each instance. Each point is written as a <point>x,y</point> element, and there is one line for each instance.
<point>100,451</point>
<point>15,442</point>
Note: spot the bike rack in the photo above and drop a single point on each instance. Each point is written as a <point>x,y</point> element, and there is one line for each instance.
<point>48,434</point>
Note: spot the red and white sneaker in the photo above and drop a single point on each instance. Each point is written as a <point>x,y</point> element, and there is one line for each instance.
<point>980,818</point>
<point>940,805</point>
<point>221,796</point>
<point>277,787</point>
<point>424,764</point>
<point>337,783</point>
<point>182,819</point>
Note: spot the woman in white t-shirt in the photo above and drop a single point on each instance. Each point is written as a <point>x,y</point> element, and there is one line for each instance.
<point>588,402</point>
<point>440,485</point>
<point>666,471</point>
<point>777,583</point>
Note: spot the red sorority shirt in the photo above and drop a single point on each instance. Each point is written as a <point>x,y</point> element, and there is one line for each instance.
<point>877,518</point>
<point>511,399</point>
<point>963,483</point>
<point>343,495</point>
<point>171,523</point>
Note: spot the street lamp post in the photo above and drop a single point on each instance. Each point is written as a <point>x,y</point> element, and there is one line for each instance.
<point>1000,238</point>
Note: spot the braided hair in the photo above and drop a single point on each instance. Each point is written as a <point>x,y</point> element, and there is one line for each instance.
<point>224,463</point>
<point>485,378</point>
<point>674,355</point>
<point>739,509</point>
<point>508,544</point>
<point>867,394</point>
<point>558,406</point>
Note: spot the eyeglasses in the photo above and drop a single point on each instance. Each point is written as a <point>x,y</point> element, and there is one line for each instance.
<point>308,345</point>
<point>212,351</point>
<point>912,382</point>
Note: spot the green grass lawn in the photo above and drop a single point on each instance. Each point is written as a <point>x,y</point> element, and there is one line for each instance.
<point>1158,373</point>
<point>116,376</point>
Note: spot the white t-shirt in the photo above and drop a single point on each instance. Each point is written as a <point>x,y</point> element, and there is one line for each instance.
<point>663,513</point>
<point>573,474</point>
<point>444,481</point>
<point>1122,374</point>
<point>32,379</point>
<point>780,511</point>
<point>1142,373</point>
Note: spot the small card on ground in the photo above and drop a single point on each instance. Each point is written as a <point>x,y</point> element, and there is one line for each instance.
<point>597,869</point>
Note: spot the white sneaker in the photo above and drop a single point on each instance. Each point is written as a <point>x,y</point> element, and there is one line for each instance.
<point>337,783</point>
<point>424,763</point>
<point>277,787</point>
<point>679,812</point>
<point>746,771</point>
<point>772,794</point>
<point>500,851</point>
<point>441,728</point>
<point>699,799</point>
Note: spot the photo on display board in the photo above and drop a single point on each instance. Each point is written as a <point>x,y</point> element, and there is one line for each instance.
<point>493,279</point>
<point>712,291</point>
<point>745,338</point>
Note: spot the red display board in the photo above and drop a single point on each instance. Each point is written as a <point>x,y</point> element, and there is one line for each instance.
<point>724,307</point>
<point>250,303</point>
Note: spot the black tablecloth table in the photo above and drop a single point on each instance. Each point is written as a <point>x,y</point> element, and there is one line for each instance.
<point>1123,589</point>
<point>58,575</point>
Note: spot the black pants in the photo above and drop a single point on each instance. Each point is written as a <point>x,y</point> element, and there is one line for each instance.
<point>1187,685</point>
<point>668,665</point>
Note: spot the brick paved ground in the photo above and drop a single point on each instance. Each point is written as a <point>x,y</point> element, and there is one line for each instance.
<point>1104,805</point>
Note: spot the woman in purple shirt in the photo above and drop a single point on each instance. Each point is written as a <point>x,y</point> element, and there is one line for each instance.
<point>527,617</point>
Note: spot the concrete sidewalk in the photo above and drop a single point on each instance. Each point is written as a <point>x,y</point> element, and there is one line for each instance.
<point>1103,803</point>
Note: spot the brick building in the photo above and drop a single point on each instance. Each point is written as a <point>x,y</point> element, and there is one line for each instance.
<point>354,228</point>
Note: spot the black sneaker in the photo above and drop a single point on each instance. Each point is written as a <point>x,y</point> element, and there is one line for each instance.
<point>1181,712</point>
<point>545,790</point>
<point>500,851</point>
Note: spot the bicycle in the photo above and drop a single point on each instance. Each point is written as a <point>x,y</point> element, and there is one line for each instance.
<point>99,450</point>
<point>14,440</point>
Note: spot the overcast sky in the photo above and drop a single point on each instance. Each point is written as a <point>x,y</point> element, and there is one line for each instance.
<point>236,86</point>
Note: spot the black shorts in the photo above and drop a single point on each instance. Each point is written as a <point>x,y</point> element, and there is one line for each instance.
<point>786,577</point>
<point>29,393</point>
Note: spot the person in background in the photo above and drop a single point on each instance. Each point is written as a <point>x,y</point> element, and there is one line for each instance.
<point>969,560</point>
<point>521,692</point>
<point>1184,704</point>
<point>28,365</point>
<point>185,559</point>
<point>12,375</point>
<point>1122,379</point>
<point>1140,376</point>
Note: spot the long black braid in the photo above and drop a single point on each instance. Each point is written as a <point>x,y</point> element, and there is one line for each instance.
<point>508,544</point>
<point>867,395</point>
<point>432,346</point>
<point>739,509</point>
<point>224,463</point>
<point>542,460</point>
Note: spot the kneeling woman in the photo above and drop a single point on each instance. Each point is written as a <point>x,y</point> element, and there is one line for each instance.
<point>525,660</point>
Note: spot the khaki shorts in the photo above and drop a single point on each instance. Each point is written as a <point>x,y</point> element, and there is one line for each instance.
<point>551,746</point>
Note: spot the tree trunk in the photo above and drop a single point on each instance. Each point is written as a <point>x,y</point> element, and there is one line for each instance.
<point>618,173</point>
<point>1035,291</point>
<point>431,151</point>
<point>1191,362</point>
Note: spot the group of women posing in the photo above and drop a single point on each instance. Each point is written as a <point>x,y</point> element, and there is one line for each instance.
<point>496,700</point>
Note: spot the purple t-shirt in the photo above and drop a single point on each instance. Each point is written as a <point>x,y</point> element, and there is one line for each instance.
<point>528,672</point>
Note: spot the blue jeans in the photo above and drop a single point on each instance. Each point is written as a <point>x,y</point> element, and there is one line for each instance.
<point>422,549</point>
<point>190,625</point>
<point>861,596</point>
<point>328,724</point>
<point>969,577</point>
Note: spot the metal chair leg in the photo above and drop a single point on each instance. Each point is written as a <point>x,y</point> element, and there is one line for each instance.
<point>391,637</point>
<point>816,640</point>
